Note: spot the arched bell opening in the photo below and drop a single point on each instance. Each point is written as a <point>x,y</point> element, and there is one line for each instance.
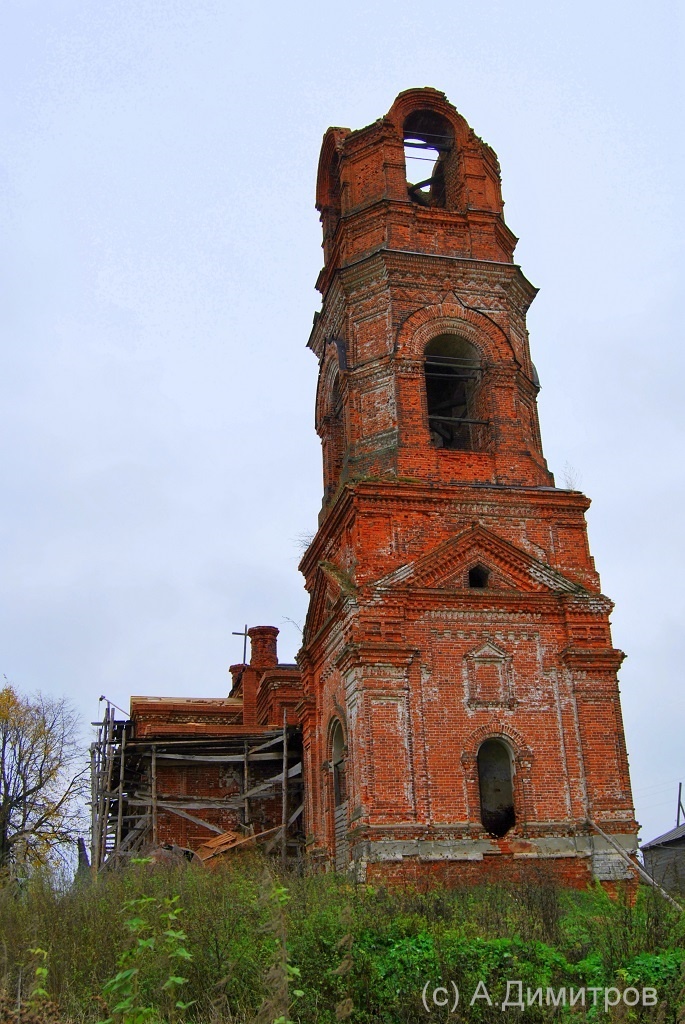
<point>453,373</point>
<point>428,142</point>
<point>495,780</point>
<point>333,438</point>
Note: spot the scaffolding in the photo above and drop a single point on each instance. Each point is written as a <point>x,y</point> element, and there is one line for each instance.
<point>127,801</point>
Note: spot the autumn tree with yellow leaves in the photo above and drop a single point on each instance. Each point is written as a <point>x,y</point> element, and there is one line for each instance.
<point>42,776</point>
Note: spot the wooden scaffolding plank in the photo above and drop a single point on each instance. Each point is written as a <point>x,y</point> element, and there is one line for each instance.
<point>189,817</point>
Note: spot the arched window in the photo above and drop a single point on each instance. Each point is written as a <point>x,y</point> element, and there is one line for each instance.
<point>453,375</point>
<point>337,761</point>
<point>428,140</point>
<point>333,438</point>
<point>496,787</point>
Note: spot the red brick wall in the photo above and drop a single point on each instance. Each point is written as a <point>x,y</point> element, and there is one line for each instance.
<point>195,781</point>
<point>571,873</point>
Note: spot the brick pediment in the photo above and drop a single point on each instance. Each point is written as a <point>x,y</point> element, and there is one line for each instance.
<point>447,567</point>
<point>331,583</point>
<point>488,652</point>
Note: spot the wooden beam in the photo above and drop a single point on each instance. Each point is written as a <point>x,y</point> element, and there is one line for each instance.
<point>246,783</point>
<point>211,741</point>
<point>295,814</point>
<point>94,842</point>
<point>120,806</point>
<point>284,790</point>
<point>636,867</point>
<point>108,782</point>
<point>269,743</point>
<point>218,803</point>
<point>191,817</point>
<point>217,758</point>
<point>153,787</point>
<point>258,837</point>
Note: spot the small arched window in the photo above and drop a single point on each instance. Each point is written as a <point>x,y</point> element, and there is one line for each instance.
<point>428,141</point>
<point>337,761</point>
<point>453,375</point>
<point>496,787</point>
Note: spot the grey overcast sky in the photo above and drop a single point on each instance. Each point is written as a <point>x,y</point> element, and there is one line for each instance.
<point>158,258</point>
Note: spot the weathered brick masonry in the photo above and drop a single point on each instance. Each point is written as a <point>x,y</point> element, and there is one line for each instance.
<point>461,711</point>
<point>458,698</point>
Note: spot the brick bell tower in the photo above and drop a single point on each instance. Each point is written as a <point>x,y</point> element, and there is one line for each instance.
<point>461,716</point>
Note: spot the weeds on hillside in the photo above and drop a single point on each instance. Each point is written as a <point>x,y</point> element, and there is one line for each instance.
<point>282,974</point>
<point>263,948</point>
<point>157,938</point>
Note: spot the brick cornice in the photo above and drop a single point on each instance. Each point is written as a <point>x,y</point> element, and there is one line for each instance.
<point>593,659</point>
<point>370,653</point>
<point>379,494</point>
<point>363,268</point>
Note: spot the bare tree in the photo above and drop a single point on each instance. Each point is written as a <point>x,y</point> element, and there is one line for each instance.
<point>42,776</point>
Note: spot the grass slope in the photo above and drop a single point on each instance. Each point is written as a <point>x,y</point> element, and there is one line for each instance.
<point>242,945</point>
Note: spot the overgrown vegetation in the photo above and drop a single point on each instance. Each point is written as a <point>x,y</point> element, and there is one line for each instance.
<point>243,945</point>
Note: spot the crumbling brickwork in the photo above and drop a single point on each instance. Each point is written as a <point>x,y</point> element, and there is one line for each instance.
<point>457,637</point>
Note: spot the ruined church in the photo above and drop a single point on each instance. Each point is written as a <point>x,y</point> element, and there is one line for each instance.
<point>454,713</point>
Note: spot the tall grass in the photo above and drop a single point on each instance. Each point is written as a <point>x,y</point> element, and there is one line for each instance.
<point>84,932</point>
<point>321,949</point>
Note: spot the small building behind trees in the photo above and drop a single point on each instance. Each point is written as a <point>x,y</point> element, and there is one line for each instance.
<point>665,859</point>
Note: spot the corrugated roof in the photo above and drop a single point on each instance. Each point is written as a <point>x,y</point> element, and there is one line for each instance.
<point>667,837</point>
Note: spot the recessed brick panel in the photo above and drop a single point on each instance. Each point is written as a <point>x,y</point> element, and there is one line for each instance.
<point>391,767</point>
